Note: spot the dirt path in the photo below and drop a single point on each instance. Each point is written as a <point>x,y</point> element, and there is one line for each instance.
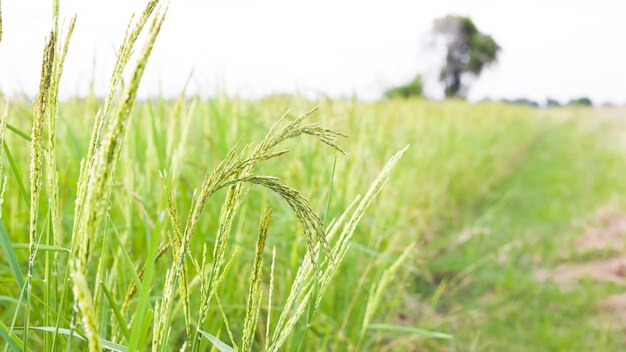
<point>604,235</point>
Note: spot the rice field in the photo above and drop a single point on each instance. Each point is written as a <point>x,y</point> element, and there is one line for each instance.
<point>286,224</point>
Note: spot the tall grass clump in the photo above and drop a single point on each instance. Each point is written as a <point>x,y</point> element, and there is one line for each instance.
<point>122,270</point>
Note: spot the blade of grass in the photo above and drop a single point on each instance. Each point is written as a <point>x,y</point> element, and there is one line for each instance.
<point>269,300</point>
<point>79,335</point>
<point>8,299</point>
<point>158,145</point>
<point>219,344</point>
<point>116,311</point>
<point>12,279</point>
<point>410,330</point>
<point>126,256</point>
<point>42,247</point>
<point>9,252</point>
<point>15,314</point>
<point>16,173</point>
<point>12,340</point>
<point>330,192</point>
<point>18,132</point>
<point>311,307</point>
<point>144,291</point>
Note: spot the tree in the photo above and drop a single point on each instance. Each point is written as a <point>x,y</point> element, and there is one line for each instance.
<point>468,52</point>
<point>583,101</point>
<point>521,101</point>
<point>411,89</point>
<point>552,103</point>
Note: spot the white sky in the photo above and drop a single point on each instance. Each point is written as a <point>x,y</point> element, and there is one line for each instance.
<point>551,48</point>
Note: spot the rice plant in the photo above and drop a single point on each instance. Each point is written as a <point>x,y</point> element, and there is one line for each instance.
<point>71,295</point>
<point>222,223</point>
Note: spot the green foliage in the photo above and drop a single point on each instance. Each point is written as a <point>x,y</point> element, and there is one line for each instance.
<point>96,293</point>
<point>552,103</point>
<point>468,52</point>
<point>415,88</point>
<point>521,101</point>
<point>582,101</point>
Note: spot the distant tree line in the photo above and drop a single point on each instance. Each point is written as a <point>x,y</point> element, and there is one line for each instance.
<point>468,52</point>
<point>550,102</point>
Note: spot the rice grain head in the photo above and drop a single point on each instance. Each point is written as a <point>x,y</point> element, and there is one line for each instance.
<point>254,294</point>
<point>305,282</point>
<point>95,182</point>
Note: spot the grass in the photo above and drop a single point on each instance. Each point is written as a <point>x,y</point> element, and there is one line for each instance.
<point>134,225</point>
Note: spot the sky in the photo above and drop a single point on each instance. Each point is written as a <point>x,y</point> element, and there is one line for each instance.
<point>561,49</point>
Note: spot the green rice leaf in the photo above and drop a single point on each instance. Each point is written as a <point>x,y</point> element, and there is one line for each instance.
<point>116,311</point>
<point>9,253</point>
<point>18,132</point>
<point>12,340</point>
<point>42,247</point>
<point>410,330</point>
<point>126,257</point>
<point>219,344</point>
<point>16,173</point>
<point>112,346</point>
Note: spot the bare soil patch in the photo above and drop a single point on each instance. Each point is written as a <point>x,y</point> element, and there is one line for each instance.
<point>567,275</point>
<point>605,231</point>
<point>614,305</point>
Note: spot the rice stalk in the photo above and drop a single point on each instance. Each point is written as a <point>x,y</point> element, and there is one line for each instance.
<point>293,130</point>
<point>36,166</point>
<point>178,266</point>
<point>254,293</point>
<point>162,314</point>
<point>123,56</point>
<point>179,253</point>
<point>179,152</point>
<point>82,295</point>
<point>181,240</point>
<point>305,282</point>
<point>326,247</point>
<point>162,322</point>
<point>309,220</point>
<point>226,323</point>
<point>376,294</point>
<point>102,116</point>
<point>97,186</point>
<point>241,172</point>
<point>52,115</point>
<point>269,300</point>
<point>343,241</point>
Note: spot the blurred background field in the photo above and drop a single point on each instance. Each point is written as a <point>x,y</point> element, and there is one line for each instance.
<point>492,193</point>
<point>480,203</point>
